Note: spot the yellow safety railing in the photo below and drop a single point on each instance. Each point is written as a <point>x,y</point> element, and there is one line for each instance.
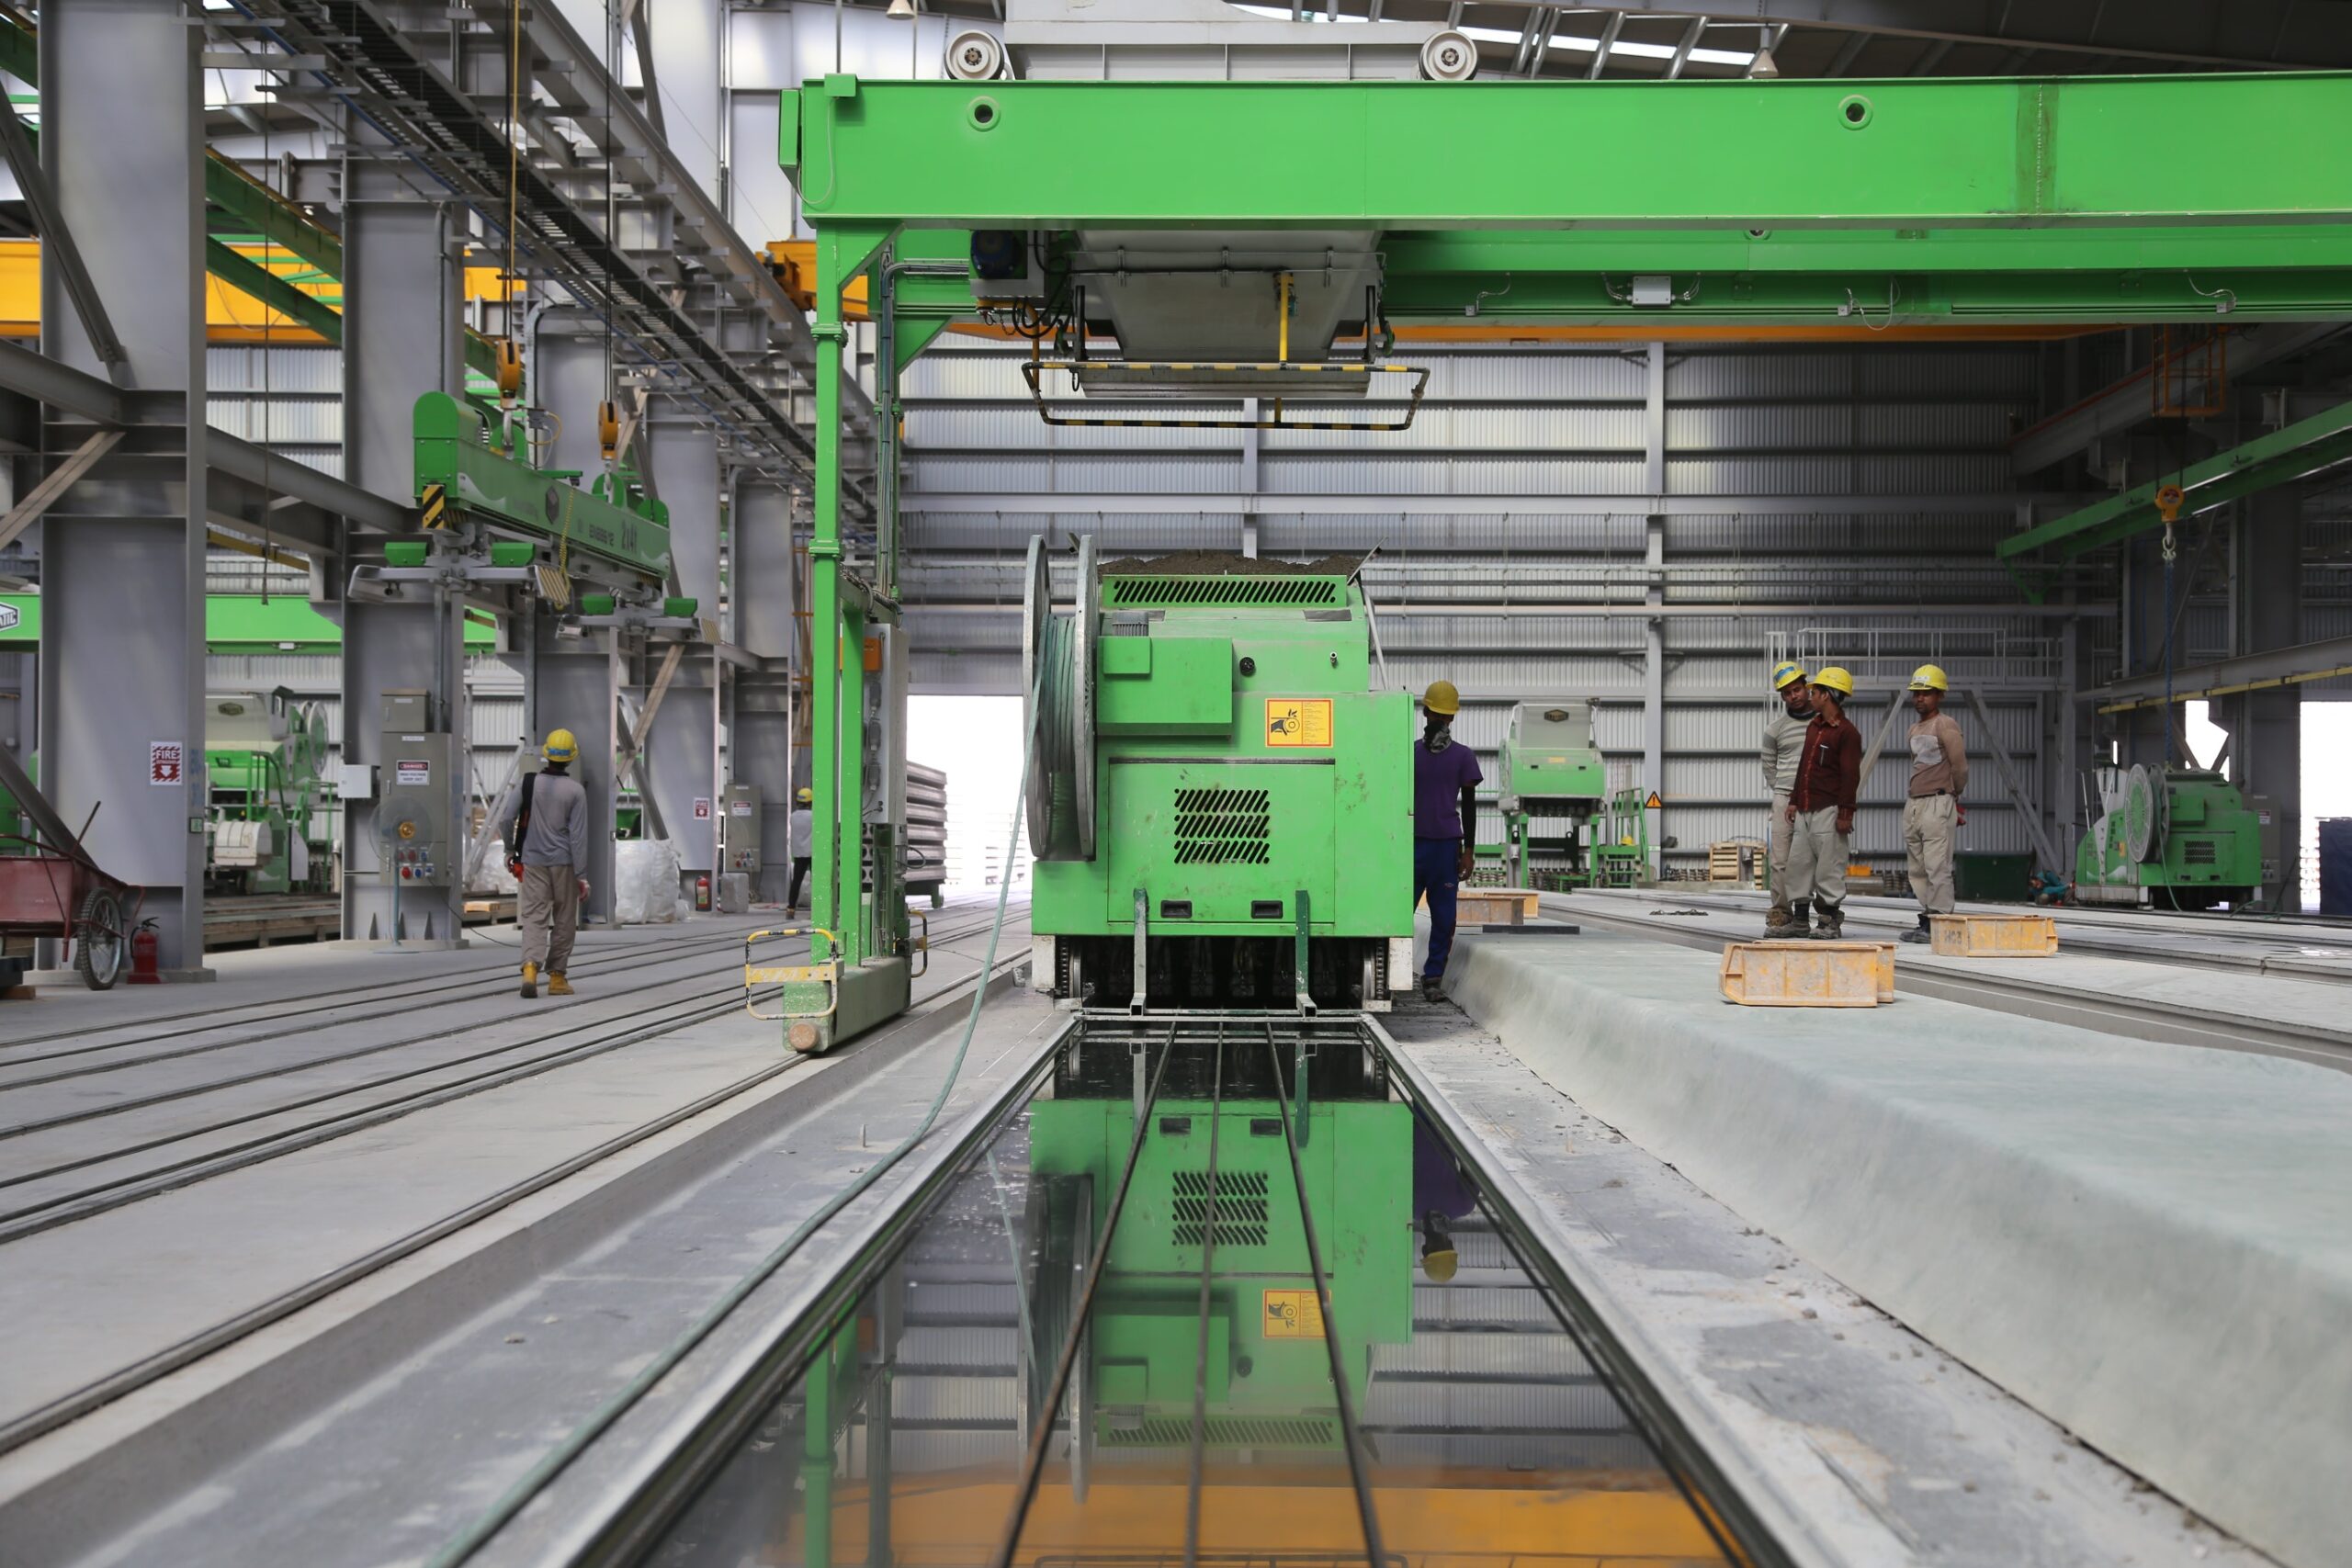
<point>922,943</point>
<point>828,975</point>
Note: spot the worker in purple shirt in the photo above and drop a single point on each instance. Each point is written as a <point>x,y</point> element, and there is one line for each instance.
<point>1445,812</point>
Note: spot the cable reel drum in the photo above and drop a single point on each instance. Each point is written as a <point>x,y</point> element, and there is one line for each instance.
<point>1057,705</point>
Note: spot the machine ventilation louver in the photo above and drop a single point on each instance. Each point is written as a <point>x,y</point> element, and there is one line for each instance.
<point>2201,852</point>
<point>1241,1207</point>
<point>1224,1432</point>
<point>1136,593</point>
<point>1223,827</point>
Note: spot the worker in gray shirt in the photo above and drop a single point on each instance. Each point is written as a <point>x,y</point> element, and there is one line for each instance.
<point>549,857</point>
<point>1783,740</point>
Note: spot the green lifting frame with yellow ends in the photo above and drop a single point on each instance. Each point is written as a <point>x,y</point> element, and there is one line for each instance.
<point>1861,204</point>
<point>611,531</point>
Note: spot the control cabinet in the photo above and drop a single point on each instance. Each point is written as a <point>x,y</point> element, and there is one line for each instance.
<point>739,832</point>
<point>414,782</point>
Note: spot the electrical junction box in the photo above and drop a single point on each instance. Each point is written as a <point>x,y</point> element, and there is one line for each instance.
<point>355,780</point>
<point>417,771</point>
<point>739,830</point>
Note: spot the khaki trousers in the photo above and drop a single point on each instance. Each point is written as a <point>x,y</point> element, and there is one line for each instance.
<point>550,905</point>
<point>1817,856</point>
<point>1930,831</point>
<point>1776,848</point>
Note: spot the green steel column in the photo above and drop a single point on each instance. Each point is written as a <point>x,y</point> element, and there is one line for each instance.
<point>850,822</point>
<point>825,617</point>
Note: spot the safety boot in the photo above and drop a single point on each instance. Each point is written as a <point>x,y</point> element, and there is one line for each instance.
<point>1828,923</point>
<point>1432,988</point>
<point>1779,923</point>
<point>1920,934</point>
<point>558,986</point>
<point>531,981</point>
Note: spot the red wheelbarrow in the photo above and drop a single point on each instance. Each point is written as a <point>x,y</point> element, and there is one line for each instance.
<point>50,886</point>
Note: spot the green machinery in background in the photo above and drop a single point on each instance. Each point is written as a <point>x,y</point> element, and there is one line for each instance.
<point>514,522</point>
<point>2176,838</point>
<point>265,762</point>
<point>1269,1369</point>
<point>1552,783</point>
<point>1219,805</point>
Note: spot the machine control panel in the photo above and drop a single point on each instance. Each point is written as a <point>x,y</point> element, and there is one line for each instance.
<point>739,830</point>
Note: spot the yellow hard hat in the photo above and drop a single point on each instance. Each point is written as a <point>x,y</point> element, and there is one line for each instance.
<point>803,794</point>
<point>562,745</point>
<point>1835,679</point>
<point>1785,674</point>
<point>1929,678</point>
<point>1442,698</point>
<point>1440,1264</point>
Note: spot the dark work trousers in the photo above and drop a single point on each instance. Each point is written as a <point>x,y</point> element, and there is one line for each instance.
<point>800,875</point>
<point>1437,872</point>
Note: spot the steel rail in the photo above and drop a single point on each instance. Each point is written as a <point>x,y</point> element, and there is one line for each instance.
<point>1351,1434</point>
<point>1041,1440</point>
<point>150,1369</point>
<point>470,974</point>
<point>1197,1459</point>
<point>110,1195</point>
<point>1750,1519</point>
<point>497,985</point>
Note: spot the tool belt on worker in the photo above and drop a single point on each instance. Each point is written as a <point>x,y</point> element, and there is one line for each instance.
<point>522,827</point>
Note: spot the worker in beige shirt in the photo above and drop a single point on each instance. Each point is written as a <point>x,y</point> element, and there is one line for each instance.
<point>1932,816</point>
<point>1783,740</point>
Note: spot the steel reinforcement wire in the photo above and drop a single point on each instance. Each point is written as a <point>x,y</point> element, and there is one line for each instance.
<point>504,987</point>
<point>342,997</point>
<point>104,1196</point>
<point>512,1501</point>
<point>125,1379</point>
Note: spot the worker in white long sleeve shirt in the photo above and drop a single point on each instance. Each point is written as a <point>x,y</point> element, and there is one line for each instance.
<point>800,835</point>
<point>1783,740</point>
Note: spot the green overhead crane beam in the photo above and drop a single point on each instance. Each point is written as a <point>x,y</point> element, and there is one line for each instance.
<point>2150,153</point>
<point>2280,457</point>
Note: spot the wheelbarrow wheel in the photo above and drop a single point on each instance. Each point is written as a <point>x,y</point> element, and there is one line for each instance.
<point>98,942</point>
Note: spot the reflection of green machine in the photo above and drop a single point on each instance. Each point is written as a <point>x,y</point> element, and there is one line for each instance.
<point>1213,779</point>
<point>1269,1369</point>
<point>1552,783</point>
<point>2182,838</point>
<point>1620,840</point>
<point>264,756</point>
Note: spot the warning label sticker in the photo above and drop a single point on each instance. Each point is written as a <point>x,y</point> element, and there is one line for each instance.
<point>1294,1314</point>
<point>1298,721</point>
<point>412,770</point>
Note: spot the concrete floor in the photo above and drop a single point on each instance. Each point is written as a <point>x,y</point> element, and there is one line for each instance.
<point>293,1326</point>
<point>2150,1243</point>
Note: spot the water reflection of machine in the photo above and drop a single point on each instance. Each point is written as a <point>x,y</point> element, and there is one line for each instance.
<point>264,756</point>
<point>1268,1369</point>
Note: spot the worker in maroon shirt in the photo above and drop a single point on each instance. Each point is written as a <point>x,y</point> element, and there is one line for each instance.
<point>1821,806</point>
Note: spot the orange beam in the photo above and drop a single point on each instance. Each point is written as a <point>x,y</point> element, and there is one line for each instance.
<point>1604,1518</point>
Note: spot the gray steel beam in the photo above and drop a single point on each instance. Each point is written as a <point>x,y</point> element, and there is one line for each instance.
<point>2266,725</point>
<point>401,338</point>
<point>2277,666</point>
<point>2181,32</point>
<point>1277,503</point>
<point>683,750</point>
<point>123,550</point>
<point>2125,404</point>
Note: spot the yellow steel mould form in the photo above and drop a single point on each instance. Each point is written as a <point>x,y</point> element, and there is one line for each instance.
<point>1992,936</point>
<point>1806,974</point>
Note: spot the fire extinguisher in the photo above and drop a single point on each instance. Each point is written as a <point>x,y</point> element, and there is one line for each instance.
<point>144,948</point>
<point>702,894</point>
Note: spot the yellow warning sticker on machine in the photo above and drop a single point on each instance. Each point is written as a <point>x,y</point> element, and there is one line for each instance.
<point>1294,1314</point>
<point>1298,721</point>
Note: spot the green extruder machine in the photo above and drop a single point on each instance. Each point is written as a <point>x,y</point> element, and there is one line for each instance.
<point>2175,838</point>
<point>264,763</point>
<point>1552,783</point>
<point>1219,805</point>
